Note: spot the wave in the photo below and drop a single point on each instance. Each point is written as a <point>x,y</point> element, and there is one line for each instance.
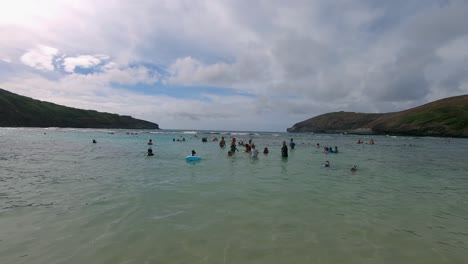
<point>239,133</point>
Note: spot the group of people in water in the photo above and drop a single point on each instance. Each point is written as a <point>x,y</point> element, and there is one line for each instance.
<point>249,147</point>
<point>254,152</point>
<point>327,150</point>
<point>371,141</point>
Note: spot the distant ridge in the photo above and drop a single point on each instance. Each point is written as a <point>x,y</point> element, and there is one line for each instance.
<point>443,118</point>
<point>22,111</point>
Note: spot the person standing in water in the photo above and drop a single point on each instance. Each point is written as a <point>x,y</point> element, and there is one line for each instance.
<point>233,145</point>
<point>222,143</point>
<point>292,144</point>
<point>284,150</point>
<point>254,151</point>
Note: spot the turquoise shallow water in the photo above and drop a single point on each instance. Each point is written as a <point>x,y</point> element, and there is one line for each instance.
<point>66,200</point>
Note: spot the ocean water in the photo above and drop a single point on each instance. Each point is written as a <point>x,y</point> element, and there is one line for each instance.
<point>66,200</point>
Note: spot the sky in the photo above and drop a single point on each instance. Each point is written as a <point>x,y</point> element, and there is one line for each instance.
<point>234,64</point>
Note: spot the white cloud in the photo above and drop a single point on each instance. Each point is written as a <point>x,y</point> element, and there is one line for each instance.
<point>83,61</point>
<point>129,76</point>
<point>40,58</point>
<point>253,71</point>
<point>189,71</point>
<point>122,76</point>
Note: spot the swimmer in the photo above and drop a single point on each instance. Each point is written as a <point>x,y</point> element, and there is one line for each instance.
<point>94,141</point>
<point>230,153</point>
<point>150,152</point>
<point>326,164</point>
<point>336,149</point>
<point>265,151</point>
<point>150,142</point>
<point>353,169</point>
<point>325,150</point>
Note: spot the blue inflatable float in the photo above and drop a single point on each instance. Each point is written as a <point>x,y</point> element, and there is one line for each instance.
<point>192,158</point>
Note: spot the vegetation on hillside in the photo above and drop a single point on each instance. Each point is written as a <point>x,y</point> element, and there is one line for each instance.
<point>21,111</point>
<point>335,122</point>
<point>445,117</point>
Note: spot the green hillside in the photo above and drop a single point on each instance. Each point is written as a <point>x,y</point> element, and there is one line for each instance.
<point>21,111</point>
<point>445,117</point>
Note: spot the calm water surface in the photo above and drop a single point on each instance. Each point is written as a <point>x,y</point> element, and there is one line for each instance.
<point>66,200</point>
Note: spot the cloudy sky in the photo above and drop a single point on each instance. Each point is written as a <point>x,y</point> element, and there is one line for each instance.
<point>234,65</point>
